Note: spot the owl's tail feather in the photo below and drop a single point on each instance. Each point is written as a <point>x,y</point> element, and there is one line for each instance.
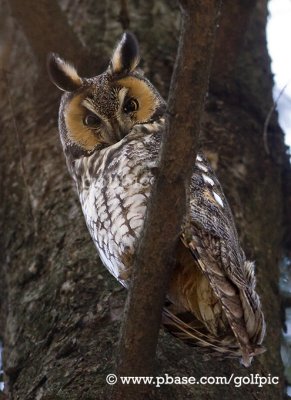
<point>233,283</point>
<point>253,316</point>
<point>195,334</point>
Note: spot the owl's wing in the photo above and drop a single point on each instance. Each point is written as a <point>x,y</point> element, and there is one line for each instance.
<point>210,220</point>
<point>209,228</point>
<point>210,234</point>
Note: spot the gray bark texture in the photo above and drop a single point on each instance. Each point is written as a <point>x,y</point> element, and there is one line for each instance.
<point>60,310</point>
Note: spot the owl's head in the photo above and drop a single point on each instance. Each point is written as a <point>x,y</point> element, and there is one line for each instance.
<point>100,111</point>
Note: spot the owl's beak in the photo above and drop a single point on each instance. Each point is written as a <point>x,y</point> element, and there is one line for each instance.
<point>117,131</point>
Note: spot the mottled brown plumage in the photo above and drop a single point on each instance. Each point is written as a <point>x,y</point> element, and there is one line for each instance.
<point>111,128</point>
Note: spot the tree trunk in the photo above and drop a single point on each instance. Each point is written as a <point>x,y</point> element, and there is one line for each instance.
<point>60,309</point>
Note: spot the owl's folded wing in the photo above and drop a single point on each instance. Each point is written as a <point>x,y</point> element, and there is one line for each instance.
<point>209,232</point>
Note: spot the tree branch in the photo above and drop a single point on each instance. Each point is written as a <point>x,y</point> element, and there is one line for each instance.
<point>47,29</point>
<point>167,207</point>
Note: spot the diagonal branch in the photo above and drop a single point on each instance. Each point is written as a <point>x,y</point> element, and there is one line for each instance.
<point>146,296</point>
<point>47,29</point>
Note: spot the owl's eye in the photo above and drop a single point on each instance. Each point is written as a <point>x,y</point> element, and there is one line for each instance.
<point>91,120</point>
<point>130,105</point>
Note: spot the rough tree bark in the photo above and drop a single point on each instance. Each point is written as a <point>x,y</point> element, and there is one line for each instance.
<point>60,310</point>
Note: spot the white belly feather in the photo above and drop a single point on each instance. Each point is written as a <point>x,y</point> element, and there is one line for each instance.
<point>114,206</point>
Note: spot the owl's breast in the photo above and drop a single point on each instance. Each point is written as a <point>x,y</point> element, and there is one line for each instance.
<point>114,201</point>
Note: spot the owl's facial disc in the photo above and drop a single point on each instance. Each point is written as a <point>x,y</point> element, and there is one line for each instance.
<point>96,119</point>
<point>83,125</point>
<point>106,111</point>
<point>141,101</point>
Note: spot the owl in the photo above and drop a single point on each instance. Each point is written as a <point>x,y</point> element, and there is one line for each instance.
<point>111,127</point>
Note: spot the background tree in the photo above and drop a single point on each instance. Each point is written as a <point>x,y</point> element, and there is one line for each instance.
<point>60,309</point>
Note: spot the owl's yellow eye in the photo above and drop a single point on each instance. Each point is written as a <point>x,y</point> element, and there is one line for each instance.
<point>92,120</point>
<point>130,105</point>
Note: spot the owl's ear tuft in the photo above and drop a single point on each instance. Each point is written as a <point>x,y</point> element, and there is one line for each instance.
<point>125,57</point>
<point>63,74</point>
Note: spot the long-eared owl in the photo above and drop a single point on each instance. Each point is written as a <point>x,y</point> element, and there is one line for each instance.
<point>111,128</point>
